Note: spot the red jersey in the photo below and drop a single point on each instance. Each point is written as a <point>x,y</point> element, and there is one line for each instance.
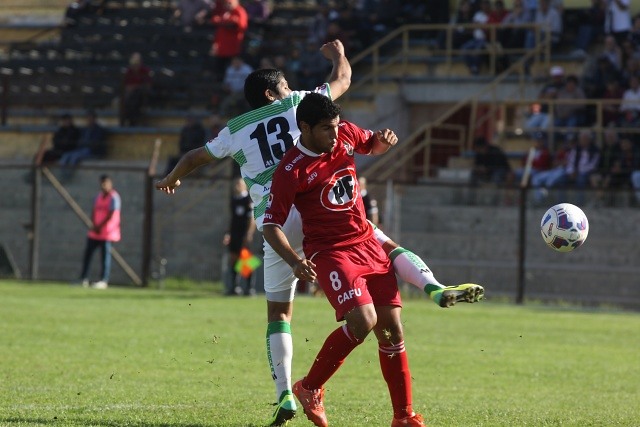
<point>324,188</point>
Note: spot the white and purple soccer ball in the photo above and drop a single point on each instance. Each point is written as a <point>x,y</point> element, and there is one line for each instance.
<point>564,227</point>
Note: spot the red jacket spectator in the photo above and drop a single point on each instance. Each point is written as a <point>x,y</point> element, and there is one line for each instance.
<point>231,25</point>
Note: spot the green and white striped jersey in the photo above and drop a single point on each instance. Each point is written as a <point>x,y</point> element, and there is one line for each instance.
<point>257,141</point>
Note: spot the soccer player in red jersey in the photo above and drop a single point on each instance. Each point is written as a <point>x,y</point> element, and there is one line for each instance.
<point>318,175</point>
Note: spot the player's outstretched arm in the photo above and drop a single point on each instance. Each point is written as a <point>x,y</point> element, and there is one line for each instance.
<point>384,139</point>
<point>188,163</point>
<point>340,77</point>
<point>303,269</point>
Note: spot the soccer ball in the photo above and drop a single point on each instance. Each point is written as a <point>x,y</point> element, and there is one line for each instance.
<point>564,227</point>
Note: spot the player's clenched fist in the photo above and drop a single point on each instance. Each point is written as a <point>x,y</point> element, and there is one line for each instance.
<point>387,137</point>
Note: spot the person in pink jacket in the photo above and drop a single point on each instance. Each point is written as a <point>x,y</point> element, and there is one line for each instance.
<point>104,232</point>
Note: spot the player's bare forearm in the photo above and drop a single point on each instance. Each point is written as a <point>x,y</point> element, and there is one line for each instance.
<point>340,77</point>
<point>302,268</point>
<point>384,140</point>
<point>188,163</point>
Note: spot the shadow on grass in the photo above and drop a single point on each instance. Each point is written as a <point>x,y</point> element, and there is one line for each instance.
<point>65,421</point>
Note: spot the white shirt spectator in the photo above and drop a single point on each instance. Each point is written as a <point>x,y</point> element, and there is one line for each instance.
<point>631,97</point>
<point>618,17</point>
<point>236,74</point>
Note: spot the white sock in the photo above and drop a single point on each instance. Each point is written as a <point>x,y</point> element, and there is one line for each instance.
<point>410,268</point>
<point>280,354</point>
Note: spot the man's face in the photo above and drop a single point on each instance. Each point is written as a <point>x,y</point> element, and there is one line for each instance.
<point>282,89</point>
<point>106,185</point>
<point>323,137</point>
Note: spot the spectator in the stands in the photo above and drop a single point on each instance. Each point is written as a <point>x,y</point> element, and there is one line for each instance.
<point>590,27</point>
<point>459,34</point>
<point>192,135</point>
<point>628,161</point>
<point>629,53</point>
<point>64,140</point>
<point>550,20</point>
<point>137,87</point>
<point>383,16</point>
<point>618,19</point>
<point>631,97</point>
<point>336,32</point>
<point>231,23</point>
<point>289,66</point>
<point>471,48</point>
<point>609,155</point>
<point>498,13</point>
<point>233,102</point>
<point>549,178</point>
<point>632,68</point>
<point>313,66</point>
<point>420,12</point>
<point>192,13</point>
<point>490,164</point>
<point>353,27</point>
<point>370,203</point>
<point>320,21</point>
<point>597,75</point>
<point>541,158</point>
<point>612,51</point>
<point>634,34</point>
<point>630,120</point>
<point>570,115</point>
<point>258,12</point>
<point>510,35</point>
<point>611,111</point>
<point>582,161</point>
<point>91,143</point>
<point>539,117</point>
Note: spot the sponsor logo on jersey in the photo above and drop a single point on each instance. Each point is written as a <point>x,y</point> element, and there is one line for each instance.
<point>348,147</point>
<point>313,176</point>
<point>340,193</point>
<point>293,162</point>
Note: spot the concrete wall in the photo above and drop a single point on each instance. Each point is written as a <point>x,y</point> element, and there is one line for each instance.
<point>464,235</point>
<point>472,236</point>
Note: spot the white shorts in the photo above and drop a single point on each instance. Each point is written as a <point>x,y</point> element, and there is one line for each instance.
<point>279,281</point>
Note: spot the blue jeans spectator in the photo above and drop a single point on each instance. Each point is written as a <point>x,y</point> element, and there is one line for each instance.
<point>471,56</point>
<point>537,121</point>
<point>105,247</point>
<point>72,158</point>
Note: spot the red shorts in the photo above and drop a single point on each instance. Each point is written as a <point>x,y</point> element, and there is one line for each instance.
<point>357,275</point>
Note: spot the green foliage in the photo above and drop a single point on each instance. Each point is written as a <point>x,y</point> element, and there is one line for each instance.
<point>149,358</point>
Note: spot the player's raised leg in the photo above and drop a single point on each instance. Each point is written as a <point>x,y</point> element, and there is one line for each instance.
<point>412,269</point>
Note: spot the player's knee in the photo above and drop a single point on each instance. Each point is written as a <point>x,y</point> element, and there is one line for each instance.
<point>361,321</point>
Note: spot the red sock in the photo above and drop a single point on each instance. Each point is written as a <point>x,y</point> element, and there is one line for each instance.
<point>335,349</point>
<point>395,370</point>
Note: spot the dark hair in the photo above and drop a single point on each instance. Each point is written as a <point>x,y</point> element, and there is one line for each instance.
<point>104,177</point>
<point>315,108</point>
<point>258,82</point>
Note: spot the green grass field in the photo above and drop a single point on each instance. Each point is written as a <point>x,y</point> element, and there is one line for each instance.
<point>131,357</point>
